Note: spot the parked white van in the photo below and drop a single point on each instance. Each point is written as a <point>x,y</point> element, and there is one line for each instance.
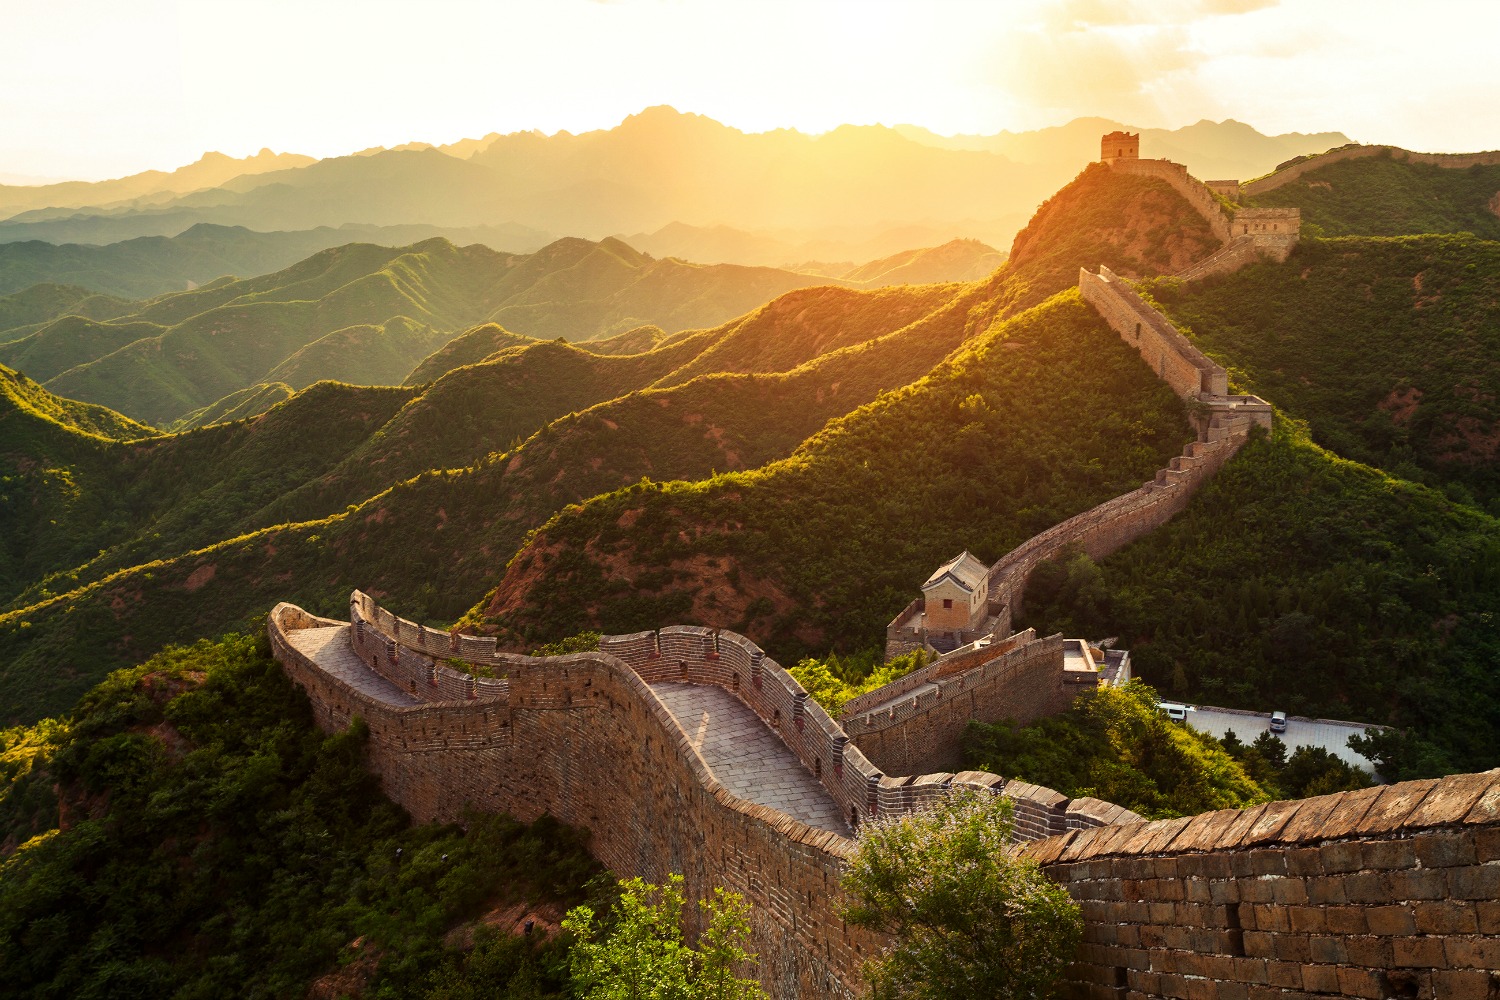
<point>1175,712</point>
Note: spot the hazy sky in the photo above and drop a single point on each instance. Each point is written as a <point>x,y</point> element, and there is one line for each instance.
<point>100,88</point>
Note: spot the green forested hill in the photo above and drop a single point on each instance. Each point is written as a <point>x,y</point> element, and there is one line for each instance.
<point>1304,582</point>
<point>1384,196</point>
<point>187,831</point>
<point>435,543</point>
<point>1389,348</point>
<point>364,314</point>
<point>996,444</point>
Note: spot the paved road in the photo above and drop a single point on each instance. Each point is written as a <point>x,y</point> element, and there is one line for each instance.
<point>747,756</point>
<point>1330,735</point>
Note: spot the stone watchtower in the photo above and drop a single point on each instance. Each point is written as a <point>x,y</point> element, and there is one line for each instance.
<point>1120,146</point>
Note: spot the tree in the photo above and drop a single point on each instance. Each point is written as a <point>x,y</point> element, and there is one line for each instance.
<point>640,953</point>
<point>970,917</point>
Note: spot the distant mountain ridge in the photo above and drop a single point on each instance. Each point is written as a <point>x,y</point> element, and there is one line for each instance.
<point>369,315</point>
<point>660,167</point>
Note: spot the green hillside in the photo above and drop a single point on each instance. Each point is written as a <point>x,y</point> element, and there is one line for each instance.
<point>1383,196</point>
<point>435,542</point>
<point>468,348</point>
<point>365,354</point>
<point>996,444</point>
<point>957,260</point>
<point>1300,581</point>
<point>21,312</point>
<point>187,831</point>
<point>1387,347</point>
<point>98,506</point>
<point>238,405</point>
<point>330,317</point>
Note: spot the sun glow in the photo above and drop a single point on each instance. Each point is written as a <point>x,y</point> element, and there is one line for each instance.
<point>93,89</point>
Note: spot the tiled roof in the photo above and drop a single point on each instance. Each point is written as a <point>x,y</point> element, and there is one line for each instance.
<point>963,569</point>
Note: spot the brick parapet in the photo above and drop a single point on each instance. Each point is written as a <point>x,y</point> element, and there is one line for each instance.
<point>1387,891</point>
<point>1453,161</point>
<point>1170,355</point>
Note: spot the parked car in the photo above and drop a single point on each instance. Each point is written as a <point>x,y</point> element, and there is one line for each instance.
<point>1175,712</point>
<point>1278,722</point>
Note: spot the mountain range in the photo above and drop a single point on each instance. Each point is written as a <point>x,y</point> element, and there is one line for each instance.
<point>670,183</point>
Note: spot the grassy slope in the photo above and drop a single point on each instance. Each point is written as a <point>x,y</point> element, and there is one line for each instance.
<point>468,348</point>
<point>71,340</point>
<point>957,260</point>
<point>1301,581</point>
<point>40,303</point>
<point>433,543</point>
<point>240,405</point>
<point>997,443</point>
<point>1389,348</point>
<point>124,504</point>
<point>365,354</point>
<point>1380,196</point>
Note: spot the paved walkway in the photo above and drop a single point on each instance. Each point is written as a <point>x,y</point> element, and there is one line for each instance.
<point>329,648</point>
<point>747,756</point>
<point>1326,733</point>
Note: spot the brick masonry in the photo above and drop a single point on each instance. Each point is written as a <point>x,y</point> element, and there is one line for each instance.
<point>1390,891</point>
<point>587,738</point>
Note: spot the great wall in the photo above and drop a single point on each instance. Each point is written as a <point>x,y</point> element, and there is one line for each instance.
<point>689,750</point>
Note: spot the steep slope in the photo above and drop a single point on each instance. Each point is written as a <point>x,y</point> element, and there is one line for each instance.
<point>31,413</point>
<point>441,538</point>
<point>1385,196</point>
<point>364,355</point>
<point>239,405</point>
<point>997,443</point>
<point>468,348</point>
<point>796,327</point>
<point>1385,346</point>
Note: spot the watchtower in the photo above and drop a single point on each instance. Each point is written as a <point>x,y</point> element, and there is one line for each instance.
<point>1120,146</point>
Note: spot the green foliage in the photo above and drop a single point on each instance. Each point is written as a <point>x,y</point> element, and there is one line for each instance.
<point>902,482</point>
<point>207,840</point>
<point>640,954</point>
<point>432,542</point>
<point>971,919</point>
<point>1384,196</point>
<point>1115,745</point>
<point>1386,347</point>
<point>834,680</point>
<point>1324,587</point>
<point>1308,771</point>
<point>583,642</point>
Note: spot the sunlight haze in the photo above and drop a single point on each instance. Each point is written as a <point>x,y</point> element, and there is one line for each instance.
<point>91,89</point>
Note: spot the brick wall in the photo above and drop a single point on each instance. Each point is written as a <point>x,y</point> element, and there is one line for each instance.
<point>920,733</point>
<point>1392,891</point>
<point>1455,161</point>
<point>1181,365</point>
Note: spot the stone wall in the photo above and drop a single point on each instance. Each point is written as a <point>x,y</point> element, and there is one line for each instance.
<point>1389,891</point>
<point>919,730</point>
<point>1169,354</point>
<point>1197,195</point>
<point>582,738</point>
<point>1454,161</point>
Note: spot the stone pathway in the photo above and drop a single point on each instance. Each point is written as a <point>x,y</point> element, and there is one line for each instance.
<point>747,756</point>
<point>329,648</point>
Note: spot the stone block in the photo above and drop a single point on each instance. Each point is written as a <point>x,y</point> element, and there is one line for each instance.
<point>1388,812</point>
<point>1426,884</point>
<point>1447,916</point>
<point>1466,984</point>
<point>1445,849</point>
<point>1419,952</point>
<point>1346,919</point>
<point>1451,800</point>
<point>1285,975</point>
<point>1471,952</point>
<point>1361,983</point>
<point>1344,857</point>
<point>1388,854</point>
<point>1320,979</point>
<point>1391,920</point>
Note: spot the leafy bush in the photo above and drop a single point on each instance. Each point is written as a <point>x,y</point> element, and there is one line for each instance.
<point>972,920</point>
